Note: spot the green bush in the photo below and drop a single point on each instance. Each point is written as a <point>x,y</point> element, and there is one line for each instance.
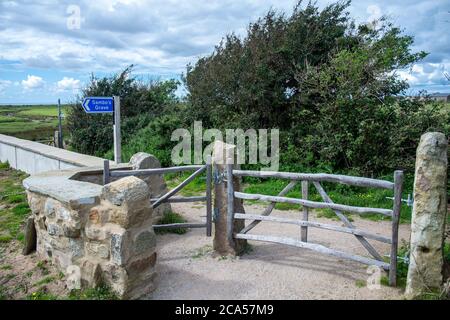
<point>140,102</point>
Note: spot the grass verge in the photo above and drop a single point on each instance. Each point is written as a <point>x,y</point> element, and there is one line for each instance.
<point>13,204</point>
<point>169,218</point>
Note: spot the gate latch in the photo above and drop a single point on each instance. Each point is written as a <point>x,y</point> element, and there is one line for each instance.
<point>218,177</point>
<point>215,215</point>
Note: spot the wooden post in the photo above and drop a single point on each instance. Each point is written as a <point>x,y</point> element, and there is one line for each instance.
<point>230,202</point>
<point>60,132</point>
<point>106,174</point>
<point>56,139</point>
<point>116,129</point>
<point>304,230</point>
<point>208,196</point>
<point>398,188</point>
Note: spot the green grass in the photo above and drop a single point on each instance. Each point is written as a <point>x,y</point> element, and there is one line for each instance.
<point>361,197</point>
<point>168,218</point>
<point>42,267</point>
<point>40,111</point>
<point>194,188</point>
<point>29,122</point>
<point>41,294</point>
<point>13,203</point>
<point>360,283</point>
<point>6,267</point>
<point>3,295</point>
<point>44,281</point>
<point>100,293</point>
<point>5,119</point>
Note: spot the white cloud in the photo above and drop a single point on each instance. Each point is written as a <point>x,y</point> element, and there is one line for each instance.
<point>162,36</point>
<point>426,74</point>
<point>4,84</point>
<point>68,84</point>
<point>33,82</point>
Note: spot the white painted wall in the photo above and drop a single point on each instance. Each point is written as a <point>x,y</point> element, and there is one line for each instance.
<point>33,157</point>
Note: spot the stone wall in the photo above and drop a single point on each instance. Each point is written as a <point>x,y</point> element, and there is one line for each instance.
<point>104,235</point>
<point>34,157</point>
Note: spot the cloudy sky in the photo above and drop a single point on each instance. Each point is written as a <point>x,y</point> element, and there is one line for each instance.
<point>49,48</point>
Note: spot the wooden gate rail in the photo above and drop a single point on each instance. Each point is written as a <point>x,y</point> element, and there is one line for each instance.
<point>318,225</point>
<point>327,203</point>
<point>313,204</point>
<point>337,178</point>
<point>347,222</point>
<point>314,247</point>
<point>169,196</point>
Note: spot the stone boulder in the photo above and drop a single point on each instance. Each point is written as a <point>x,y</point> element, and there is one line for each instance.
<point>156,183</point>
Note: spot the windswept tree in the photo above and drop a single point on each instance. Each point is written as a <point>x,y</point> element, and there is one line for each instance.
<point>330,85</point>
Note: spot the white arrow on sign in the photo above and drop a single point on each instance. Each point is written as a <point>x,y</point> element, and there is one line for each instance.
<point>86,105</point>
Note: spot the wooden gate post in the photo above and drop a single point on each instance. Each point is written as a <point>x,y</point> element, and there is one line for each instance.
<point>225,204</point>
<point>398,188</point>
<point>304,230</point>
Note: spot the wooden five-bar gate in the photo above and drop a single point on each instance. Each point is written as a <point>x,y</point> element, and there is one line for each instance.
<point>169,197</point>
<point>306,179</point>
<point>306,204</point>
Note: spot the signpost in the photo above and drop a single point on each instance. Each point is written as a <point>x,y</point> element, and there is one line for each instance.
<point>98,105</point>
<point>107,105</point>
<point>60,132</point>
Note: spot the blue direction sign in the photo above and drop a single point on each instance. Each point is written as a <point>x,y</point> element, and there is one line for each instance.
<point>98,105</point>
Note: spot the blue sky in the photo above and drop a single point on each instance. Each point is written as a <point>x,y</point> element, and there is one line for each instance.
<point>49,48</point>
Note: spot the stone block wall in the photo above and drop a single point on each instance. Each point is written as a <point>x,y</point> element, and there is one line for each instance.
<point>109,240</point>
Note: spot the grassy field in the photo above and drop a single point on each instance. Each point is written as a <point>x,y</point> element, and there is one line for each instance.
<point>29,122</point>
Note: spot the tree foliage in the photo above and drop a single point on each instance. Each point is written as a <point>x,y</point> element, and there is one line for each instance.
<point>140,103</point>
<point>329,85</point>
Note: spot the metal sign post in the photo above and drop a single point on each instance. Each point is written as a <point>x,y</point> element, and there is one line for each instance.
<point>107,105</point>
<point>117,136</point>
<point>60,133</point>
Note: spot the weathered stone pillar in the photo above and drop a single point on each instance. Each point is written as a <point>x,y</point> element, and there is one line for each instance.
<point>156,183</point>
<point>429,214</point>
<point>222,155</point>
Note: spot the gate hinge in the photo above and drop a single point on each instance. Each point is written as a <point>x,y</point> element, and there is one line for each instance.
<point>218,177</point>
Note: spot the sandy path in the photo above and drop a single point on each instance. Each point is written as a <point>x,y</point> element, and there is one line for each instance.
<point>187,269</point>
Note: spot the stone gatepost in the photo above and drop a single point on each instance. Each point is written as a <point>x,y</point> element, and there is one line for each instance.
<point>429,215</point>
<point>156,183</point>
<point>224,154</point>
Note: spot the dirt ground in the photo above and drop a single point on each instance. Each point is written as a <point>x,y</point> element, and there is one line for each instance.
<point>188,270</point>
<point>27,277</point>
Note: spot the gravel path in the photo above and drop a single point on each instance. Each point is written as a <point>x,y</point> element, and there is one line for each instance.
<point>187,269</point>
